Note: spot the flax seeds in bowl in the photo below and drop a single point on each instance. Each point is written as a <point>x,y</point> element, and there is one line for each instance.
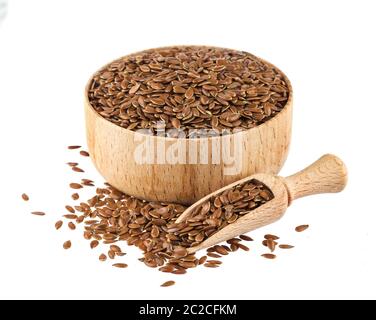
<point>208,94</point>
<point>189,87</point>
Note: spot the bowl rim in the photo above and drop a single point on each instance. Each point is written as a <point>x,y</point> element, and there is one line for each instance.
<point>245,131</point>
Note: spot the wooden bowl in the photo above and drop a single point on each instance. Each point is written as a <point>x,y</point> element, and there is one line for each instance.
<point>112,148</point>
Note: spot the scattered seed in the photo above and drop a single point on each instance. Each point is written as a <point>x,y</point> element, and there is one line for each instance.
<point>102,257</point>
<point>202,260</point>
<point>187,264</point>
<point>75,185</point>
<point>221,250</point>
<point>77,169</point>
<point>111,216</point>
<point>233,240</point>
<point>71,225</point>
<point>242,246</point>
<point>70,209</point>
<point>84,153</point>
<point>168,283</point>
<point>88,235</point>
<point>94,244</point>
<point>75,196</point>
<point>179,271</point>
<point>211,265</point>
<point>38,213</point>
<point>70,216</point>
<point>245,238</point>
<point>271,236</point>
<point>115,248</point>
<point>270,244</point>
<point>111,254</point>
<point>74,147</point>
<point>234,247</point>
<point>72,164</point>
<point>301,228</point>
<point>120,265</point>
<point>25,197</point>
<point>226,248</point>
<point>286,246</point>
<point>67,245</point>
<point>269,256</point>
<point>87,182</point>
<point>109,242</point>
<point>167,269</point>
<point>58,224</point>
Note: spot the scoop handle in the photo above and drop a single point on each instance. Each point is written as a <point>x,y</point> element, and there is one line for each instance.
<point>327,175</point>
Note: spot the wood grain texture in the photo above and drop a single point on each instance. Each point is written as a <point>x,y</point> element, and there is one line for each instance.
<point>327,175</point>
<point>112,148</point>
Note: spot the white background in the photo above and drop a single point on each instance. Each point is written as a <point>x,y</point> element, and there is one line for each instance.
<point>49,49</point>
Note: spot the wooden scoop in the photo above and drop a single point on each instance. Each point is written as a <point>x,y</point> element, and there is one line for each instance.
<point>327,175</point>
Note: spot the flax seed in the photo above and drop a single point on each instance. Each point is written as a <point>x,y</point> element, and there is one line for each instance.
<point>301,228</point>
<point>168,283</point>
<point>25,197</point>
<point>67,245</point>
